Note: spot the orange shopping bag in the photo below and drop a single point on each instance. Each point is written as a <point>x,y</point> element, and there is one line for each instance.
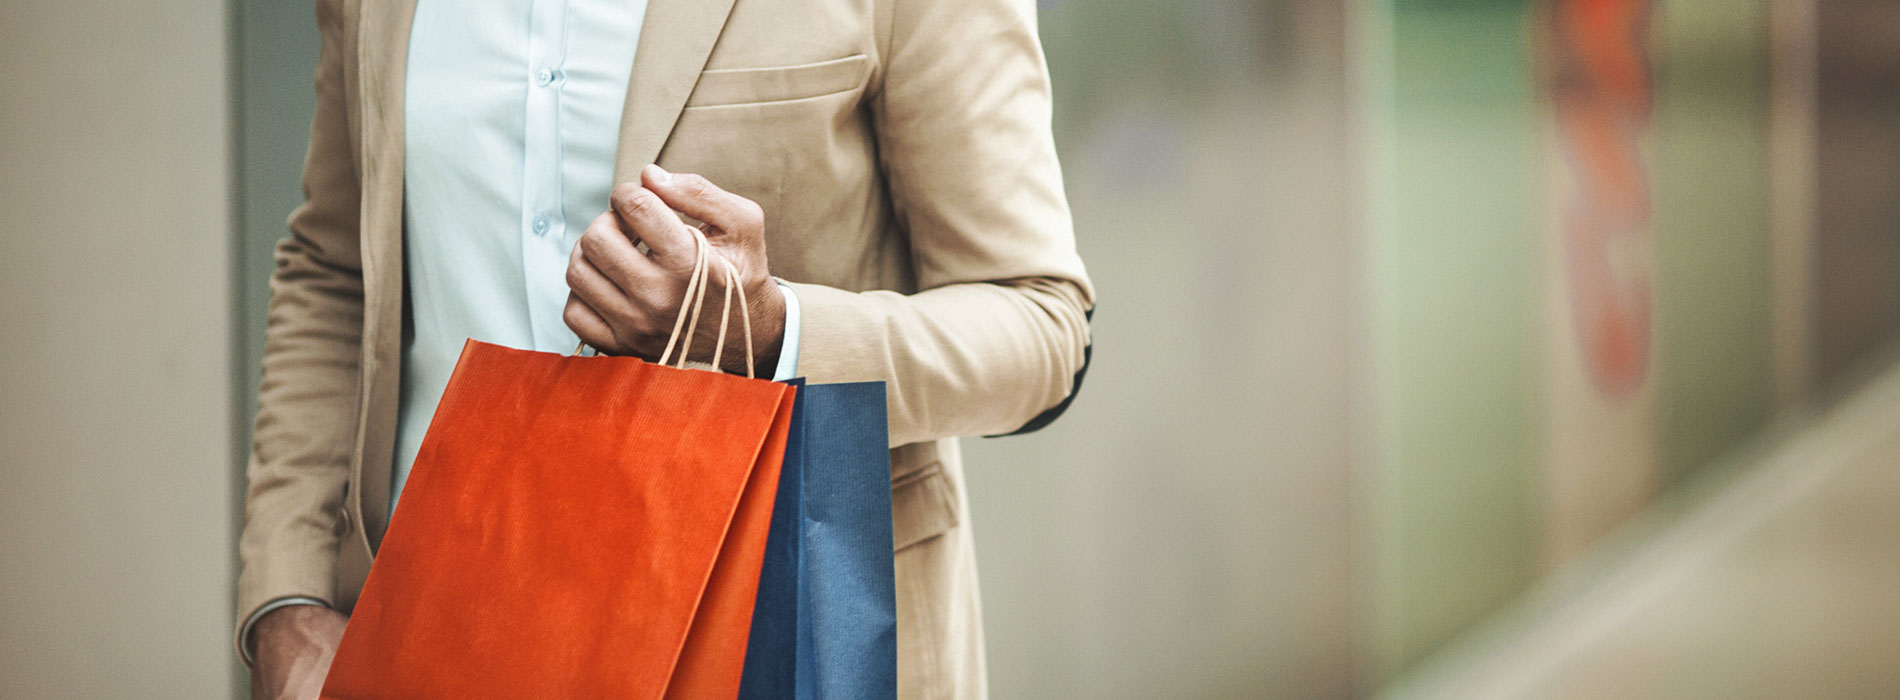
<point>574,527</point>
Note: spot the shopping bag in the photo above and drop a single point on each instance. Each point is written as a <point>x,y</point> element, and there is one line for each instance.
<point>825,622</point>
<point>574,527</point>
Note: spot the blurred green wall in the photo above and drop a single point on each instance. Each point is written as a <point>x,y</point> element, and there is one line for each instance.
<point>1458,211</point>
<point>1451,258</point>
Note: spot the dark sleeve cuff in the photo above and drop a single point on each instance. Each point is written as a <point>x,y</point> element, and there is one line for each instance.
<point>1042,420</point>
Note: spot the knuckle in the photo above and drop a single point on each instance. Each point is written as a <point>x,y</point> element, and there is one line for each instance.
<point>590,240</point>
<point>642,202</point>
<point>625,340</point>
<point>625,191</point>
<point>650,315</point>
<point>642,301</point>
<point>595,248</point>
<point>642,324</point>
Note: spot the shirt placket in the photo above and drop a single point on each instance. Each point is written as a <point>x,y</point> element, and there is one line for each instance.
<point>544,239</point>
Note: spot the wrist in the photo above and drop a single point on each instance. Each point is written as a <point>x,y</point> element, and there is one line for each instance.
<point>247,633</point>
<point>295,630</point>
<point>768,330</point>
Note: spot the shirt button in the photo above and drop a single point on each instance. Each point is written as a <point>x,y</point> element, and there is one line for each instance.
<point>541,225</point>
<point>544,77</point>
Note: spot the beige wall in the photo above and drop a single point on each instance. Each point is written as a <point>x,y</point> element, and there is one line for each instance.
<point>116,465</point>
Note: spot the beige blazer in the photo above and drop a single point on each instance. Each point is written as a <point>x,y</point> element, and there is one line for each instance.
<point>902,153</point>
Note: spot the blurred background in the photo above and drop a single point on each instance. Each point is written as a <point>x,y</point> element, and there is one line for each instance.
<point>1473,348</point>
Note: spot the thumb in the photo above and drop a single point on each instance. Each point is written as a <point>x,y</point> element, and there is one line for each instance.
<point>697,197</point>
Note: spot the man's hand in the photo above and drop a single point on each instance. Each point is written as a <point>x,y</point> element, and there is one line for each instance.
<point>624,302</point>
<point>294,646</point>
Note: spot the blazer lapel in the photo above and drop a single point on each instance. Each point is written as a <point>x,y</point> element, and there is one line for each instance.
<point>676,38</point>
<point>382,63</point>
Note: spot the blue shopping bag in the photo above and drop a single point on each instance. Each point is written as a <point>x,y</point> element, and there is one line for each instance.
<point>825,622</point>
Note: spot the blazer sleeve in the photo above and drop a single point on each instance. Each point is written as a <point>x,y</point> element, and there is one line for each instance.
<point>998,337</point>
<point>307,400</point>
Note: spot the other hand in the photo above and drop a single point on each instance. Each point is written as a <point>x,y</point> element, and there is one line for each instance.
<point>624,302</point>
<point>294,646</point>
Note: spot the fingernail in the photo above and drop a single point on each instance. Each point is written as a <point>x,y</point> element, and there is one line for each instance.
<point>659,174</point>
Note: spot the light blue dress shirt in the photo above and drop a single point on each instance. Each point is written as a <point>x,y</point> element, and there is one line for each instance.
<point>511,120</point>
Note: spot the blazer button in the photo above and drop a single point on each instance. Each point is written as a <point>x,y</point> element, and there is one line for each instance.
<point>342,521</point>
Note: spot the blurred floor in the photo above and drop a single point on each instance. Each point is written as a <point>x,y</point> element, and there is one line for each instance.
<point>1772,578</point>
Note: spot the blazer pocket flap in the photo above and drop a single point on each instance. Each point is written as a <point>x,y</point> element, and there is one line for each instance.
<point>735,86</point>
<point>922,507</point>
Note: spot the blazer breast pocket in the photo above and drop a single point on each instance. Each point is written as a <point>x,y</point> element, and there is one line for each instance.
<point>725,87</point>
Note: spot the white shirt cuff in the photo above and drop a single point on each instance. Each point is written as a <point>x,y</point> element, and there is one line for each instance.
<point>788,348</point>
<point>245,635</point>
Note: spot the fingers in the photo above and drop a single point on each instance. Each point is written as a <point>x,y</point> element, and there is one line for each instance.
<point>606,247</point>
<point>649,219</point>
<point>590,327</point>
<point>697,197</point>
<point>597,291</point>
